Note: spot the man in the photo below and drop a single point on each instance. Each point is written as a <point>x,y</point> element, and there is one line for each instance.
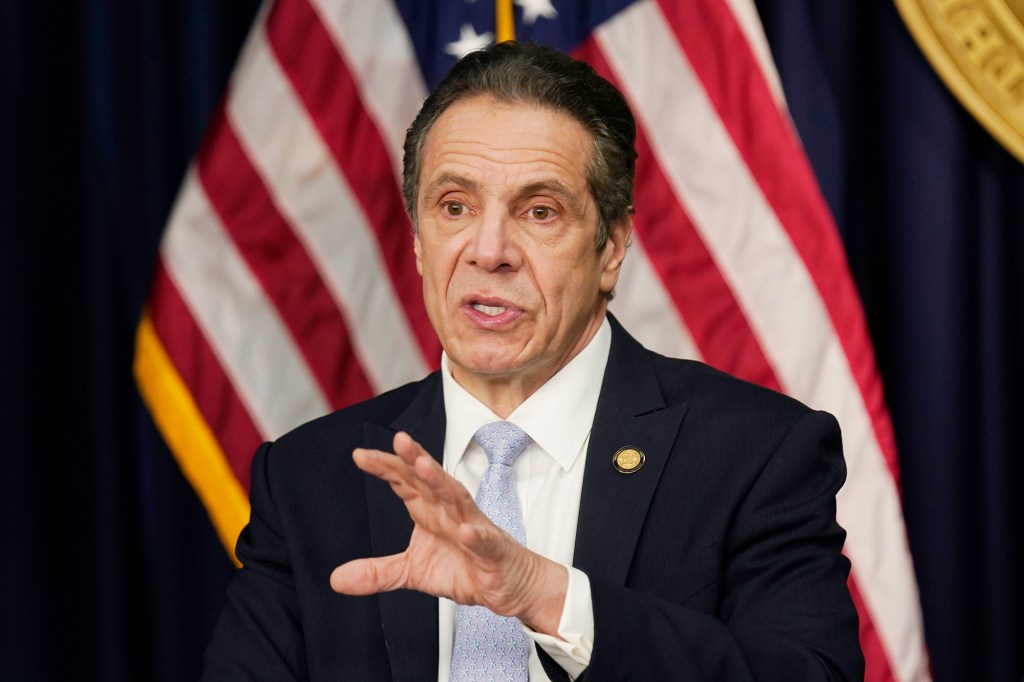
<point>676,523</point>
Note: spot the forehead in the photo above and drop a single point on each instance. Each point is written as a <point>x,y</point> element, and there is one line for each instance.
<point>485,140</point>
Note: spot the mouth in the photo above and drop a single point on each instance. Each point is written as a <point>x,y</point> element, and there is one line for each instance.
<point>490,313</point>
<point>490,310</point>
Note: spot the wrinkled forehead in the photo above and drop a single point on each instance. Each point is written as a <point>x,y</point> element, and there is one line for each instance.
<point>483,130</point>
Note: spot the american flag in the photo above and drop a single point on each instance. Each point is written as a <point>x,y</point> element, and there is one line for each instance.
<point>286,285</point>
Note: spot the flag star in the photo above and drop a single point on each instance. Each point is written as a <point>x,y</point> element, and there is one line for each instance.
<point>536,8</point>
<point>469,41</point>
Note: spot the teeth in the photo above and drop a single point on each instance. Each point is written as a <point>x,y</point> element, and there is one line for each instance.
<point>489,309</point>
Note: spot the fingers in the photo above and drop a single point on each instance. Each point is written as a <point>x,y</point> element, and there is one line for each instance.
<point>425,467</point>
<point>387,466</point>
<point>407,448</point>
<point>412,472</point>
<point>393,469</point>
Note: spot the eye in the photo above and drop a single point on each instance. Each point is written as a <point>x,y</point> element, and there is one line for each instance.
<point>541,213</point>
<point>454,208</point>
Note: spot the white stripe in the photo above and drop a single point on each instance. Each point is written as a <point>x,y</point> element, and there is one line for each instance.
<point>644,307</point>
<point>315,199</point>
<point>379,53</point>
<point>778,296</point>
<point>239,321</point>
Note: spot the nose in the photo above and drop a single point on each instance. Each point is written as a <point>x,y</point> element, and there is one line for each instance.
<point>493,246</point>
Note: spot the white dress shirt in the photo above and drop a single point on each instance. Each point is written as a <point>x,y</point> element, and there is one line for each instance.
<point>549,479</point>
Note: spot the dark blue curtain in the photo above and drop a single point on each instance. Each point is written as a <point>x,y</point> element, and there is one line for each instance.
<point>932,212</point>
<point>110,569</point>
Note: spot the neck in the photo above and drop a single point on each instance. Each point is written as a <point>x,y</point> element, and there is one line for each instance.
<point>501,395</point>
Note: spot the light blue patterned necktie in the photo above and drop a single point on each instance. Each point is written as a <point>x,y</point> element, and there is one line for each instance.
<point>488,646</point>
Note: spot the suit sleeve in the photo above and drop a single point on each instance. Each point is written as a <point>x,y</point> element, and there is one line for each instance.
<point>259,635</point>
<point>781,610</point>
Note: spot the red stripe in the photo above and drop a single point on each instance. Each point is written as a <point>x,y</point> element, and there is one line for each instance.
<point>200,369</point>
<point>876,659</point>
<point>330,93</point>
<point>717,48</point>
<point>281,264</point>
<point>685,265</point>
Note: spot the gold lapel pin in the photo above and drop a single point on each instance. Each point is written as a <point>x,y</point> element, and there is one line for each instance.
<point>628,460</point>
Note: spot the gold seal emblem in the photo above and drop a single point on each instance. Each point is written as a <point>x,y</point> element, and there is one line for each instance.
<point>977,47</point>
<point>628,460</point>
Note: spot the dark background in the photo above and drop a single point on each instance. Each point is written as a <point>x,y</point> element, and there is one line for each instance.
<point>110,568</point>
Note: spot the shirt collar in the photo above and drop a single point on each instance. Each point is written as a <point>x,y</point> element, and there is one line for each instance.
<point>558,416</point>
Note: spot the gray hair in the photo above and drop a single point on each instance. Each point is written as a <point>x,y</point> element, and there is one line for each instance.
<point>516,73</point>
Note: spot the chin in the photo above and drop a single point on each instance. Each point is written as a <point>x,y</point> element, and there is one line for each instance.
<point>484,363</point>
<point>491,366</point>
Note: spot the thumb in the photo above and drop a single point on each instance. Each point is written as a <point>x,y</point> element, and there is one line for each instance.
<point>368,576</point>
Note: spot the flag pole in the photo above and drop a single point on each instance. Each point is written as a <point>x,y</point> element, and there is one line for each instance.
<point>504,25</point>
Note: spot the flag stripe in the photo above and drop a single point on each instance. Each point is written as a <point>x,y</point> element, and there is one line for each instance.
<point>644,307</point>
<point>196,448</point>
<point>710,177</point>
<point>782,171</point>
<point>376,46</point>
<point>775,292</point>
<point>705,171</point>
<point>876,658</point>
<point>721,332</point>
<point>686,267</point>
<point>745,13</point>
<point>240,323</point>
<point>281,264</point>
<point>191,356</point>
<point>319,205</point>
<point>330,94</point>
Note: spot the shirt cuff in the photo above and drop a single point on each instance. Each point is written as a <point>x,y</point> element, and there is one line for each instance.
<point>574,645</point>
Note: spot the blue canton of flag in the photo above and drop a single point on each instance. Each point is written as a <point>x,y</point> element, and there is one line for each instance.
<point>443,31</point>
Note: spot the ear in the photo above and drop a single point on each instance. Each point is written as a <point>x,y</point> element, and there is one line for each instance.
<point>418,250</point>
<point>614,252</point>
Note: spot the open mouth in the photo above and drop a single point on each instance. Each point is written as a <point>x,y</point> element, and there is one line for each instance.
<point>491,310</point>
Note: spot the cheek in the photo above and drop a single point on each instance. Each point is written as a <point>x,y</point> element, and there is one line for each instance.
<point>585,285</point>
<point>437,266</point>
<point>564,282</point>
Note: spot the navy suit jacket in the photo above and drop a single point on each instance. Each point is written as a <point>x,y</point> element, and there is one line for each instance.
<point>718,560</point>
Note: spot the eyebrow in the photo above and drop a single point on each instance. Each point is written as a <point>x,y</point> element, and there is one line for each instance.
<point>448,179</point>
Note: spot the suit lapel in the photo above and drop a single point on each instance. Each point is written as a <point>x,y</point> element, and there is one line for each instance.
<point>630,412</point>
<point>408,618</point>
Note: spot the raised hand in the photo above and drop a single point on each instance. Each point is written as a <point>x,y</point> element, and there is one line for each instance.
<point>455,551</point>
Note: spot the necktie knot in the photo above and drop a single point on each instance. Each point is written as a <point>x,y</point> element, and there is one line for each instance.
<point>502,442</point>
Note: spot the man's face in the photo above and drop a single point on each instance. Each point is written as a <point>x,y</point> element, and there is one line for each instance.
<point>512,280</point>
